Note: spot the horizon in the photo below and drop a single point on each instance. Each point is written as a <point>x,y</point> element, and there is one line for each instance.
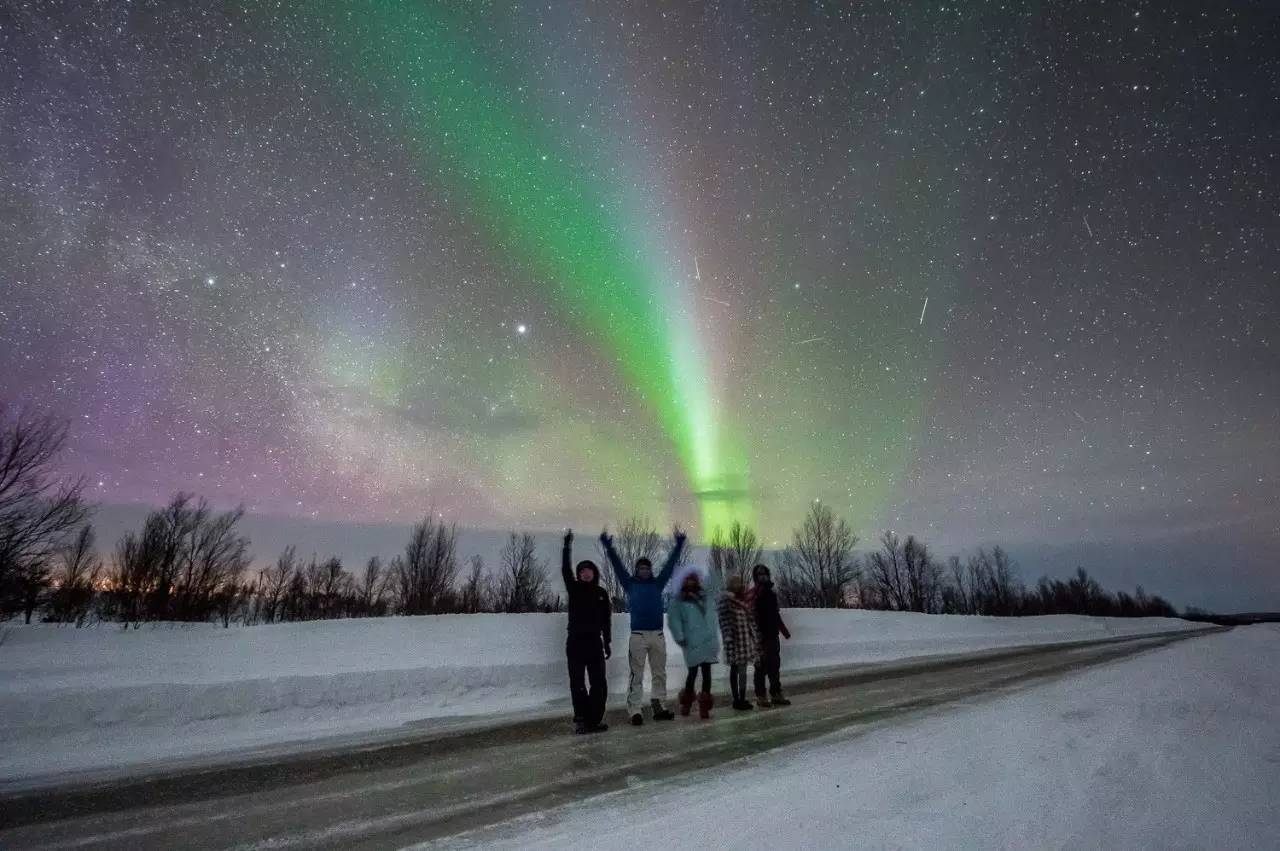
<point>1117,565</point>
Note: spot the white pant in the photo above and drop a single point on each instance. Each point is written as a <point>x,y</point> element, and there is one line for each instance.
<point>650,644</point>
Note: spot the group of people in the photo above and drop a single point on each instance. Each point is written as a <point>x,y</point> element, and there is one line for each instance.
<point>702,616</point>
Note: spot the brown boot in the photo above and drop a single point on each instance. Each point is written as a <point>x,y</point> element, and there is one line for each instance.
<point>686,701</point>
<point>705,702</point>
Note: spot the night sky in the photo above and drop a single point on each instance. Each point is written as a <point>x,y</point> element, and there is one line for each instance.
<point>978,271</point>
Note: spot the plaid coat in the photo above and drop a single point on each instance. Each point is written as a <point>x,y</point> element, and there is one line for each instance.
<point>738,630</point>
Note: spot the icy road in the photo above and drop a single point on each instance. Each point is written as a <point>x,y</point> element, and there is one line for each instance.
<point>434,785</point>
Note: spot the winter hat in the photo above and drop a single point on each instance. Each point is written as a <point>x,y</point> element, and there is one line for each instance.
<point>683,573</point>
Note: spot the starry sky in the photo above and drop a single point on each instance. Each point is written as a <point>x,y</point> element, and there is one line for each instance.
<point>979,271</point>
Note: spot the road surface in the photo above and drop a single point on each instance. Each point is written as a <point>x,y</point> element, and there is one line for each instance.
<point>432,786</point>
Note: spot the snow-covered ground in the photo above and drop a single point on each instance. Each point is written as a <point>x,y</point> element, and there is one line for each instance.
<point>105,697</point>
<point>1176,748</point>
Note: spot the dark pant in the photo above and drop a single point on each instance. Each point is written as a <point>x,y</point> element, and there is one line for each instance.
<point>738,682</point>
<point>693,674</point>
<point>769,666</point>
<point>586,664</point>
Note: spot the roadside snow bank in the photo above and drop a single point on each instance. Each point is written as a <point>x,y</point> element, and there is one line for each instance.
<point>1175,748</point>
<point>103,696</point>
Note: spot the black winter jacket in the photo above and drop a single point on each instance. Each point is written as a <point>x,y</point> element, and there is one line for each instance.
<point>768,616</point>
<point>590,612</point>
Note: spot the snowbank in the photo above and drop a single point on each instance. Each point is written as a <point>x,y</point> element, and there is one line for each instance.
<point>1176,748</point>
<point>75,699</point>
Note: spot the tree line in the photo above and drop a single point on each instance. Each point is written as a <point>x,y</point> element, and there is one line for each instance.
<point>821,568</point>
<point>191,563</point>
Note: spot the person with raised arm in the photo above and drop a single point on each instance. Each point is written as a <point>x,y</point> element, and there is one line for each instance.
<point>590,640</point>
<point>648,642</point>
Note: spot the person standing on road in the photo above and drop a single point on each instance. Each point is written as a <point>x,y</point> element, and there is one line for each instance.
<point>738,631</point>
<point>692,619</point>
<point>647,642</point>
<point>590,640</point>
<point>769,626</point>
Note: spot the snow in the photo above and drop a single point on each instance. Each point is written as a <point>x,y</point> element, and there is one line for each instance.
<point>1175,748</point>
<point>106,698</point>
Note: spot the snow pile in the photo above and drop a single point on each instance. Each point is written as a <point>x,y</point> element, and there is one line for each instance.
<point>72,699</point>
<point>1177,748</point>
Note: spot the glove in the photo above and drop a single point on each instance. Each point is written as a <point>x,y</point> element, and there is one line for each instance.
<point>786,633</point>
<point>606,539</point>
<point>608,651</point>
<point>568,537</point>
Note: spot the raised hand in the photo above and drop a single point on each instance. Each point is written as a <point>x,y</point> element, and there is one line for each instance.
<point>568,537</point>
<point>606,538</point>
<point>678,533</point>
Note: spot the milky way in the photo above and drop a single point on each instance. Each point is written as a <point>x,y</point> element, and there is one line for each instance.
<point>548,264</point>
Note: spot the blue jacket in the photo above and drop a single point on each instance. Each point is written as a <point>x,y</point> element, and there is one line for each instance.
<point>695,623</point>
<point>644,596</point>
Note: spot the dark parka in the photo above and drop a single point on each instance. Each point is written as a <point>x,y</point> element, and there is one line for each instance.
<point>768,616</point>
<point>589,610</point>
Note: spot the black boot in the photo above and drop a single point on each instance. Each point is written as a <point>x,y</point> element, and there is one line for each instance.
<point>661,713</point>
<point>637,720</point>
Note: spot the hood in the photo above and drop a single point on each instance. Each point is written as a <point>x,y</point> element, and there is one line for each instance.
<point>595,571</point>
<point>682,573</point>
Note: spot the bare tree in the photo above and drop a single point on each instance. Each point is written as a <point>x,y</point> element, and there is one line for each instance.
<point>735,553</point>
<point>329,587</point>
<point>819,566</point>
<point>522,585</point>
<point>135,568</point>
<point>994,583</point>
<point>38,510</point>
<point>924,577</point>
<point>231,600</point>
<point>477,593</point>
<point>170,544</point>
<point>888,572</point>
<point>295,606</point>
<point>273,584</point>
<point>957,593</point>
<point>32,582</point>
<point>212,557</point>
<point>424,575</point>
<point>905,576</point>
<point>373,589</point>
<point>178,564</point>
<point>1006,586</point>
<point>75,581</point>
